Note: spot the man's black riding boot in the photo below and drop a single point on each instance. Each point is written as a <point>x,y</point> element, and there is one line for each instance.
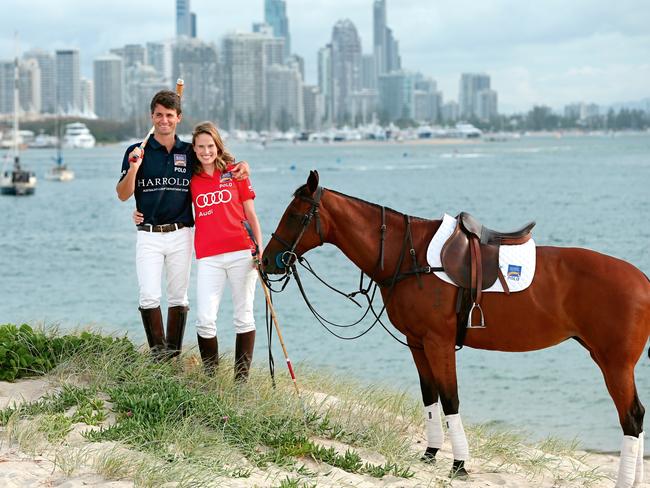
<point>209,349</point>
<point>176,319</point>
<point>153,327</point>
<point>244,345</point>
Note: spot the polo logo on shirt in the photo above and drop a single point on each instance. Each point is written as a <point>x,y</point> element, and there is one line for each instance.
<point>180,160</point>
<point>215,198</point>
<point>227,176</point>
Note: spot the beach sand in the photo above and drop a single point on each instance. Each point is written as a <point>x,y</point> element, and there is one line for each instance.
<point>48,466</point>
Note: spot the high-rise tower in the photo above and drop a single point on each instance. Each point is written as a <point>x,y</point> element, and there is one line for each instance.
<point>275,14</point>
<point>385,46</point>
<point>185,20</point>
<point>68,82</point>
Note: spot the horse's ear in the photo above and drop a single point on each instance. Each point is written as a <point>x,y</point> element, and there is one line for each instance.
<point>312,181</point>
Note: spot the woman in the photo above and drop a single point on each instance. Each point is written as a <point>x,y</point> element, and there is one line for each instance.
<point>223,247</point>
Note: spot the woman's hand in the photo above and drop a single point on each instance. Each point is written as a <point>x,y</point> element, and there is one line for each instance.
<point>138,217</point>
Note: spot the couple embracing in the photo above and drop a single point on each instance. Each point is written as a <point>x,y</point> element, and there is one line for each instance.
<point>192,196</point>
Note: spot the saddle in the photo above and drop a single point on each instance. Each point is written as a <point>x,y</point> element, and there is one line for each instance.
<point>470,257</point>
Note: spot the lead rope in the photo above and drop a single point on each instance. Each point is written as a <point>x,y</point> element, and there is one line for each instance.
<point>269,337</point>
<point>370,299</point>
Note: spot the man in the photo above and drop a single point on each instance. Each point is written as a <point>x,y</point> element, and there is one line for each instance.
<point>159,177</point>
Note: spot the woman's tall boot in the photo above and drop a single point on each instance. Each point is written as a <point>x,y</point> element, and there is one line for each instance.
<point>244,345</point>
<point>153,328</point>
<point>209,349</point>
<point>176,319</point>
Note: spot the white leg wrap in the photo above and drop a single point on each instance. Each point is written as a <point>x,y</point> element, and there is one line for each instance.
<point>639,476</point>
<point>627,462</point>
<point>433,425</point>
<point>457,437</point>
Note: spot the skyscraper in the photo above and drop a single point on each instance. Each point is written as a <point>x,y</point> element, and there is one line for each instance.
<point>486,104</point>
<point>325,82</point>
<point>197,63</point>
<point>68,82</point>
<point>346,68</point>
<point>46,64</point>
<point>7,80</point>
<point>159,56</point>
<point>385,46</point>
<point>396,95</point>
<point>108,75</point>
<point>29,86</point>
<point>183,18</point>
<point>470,85</point>
<point>314,107</point>
<point>244,65</point>
<point>87,97</point>
<point>379,35</point>
<point>275,14</point>
<point>284,98</point>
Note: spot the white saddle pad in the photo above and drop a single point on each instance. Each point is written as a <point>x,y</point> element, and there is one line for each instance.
<point>517,263</point>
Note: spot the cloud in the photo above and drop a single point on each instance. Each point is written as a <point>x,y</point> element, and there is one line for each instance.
<point>547,51</point>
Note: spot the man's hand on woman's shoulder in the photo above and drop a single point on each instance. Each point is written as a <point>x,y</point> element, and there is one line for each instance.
<point>241,170</point>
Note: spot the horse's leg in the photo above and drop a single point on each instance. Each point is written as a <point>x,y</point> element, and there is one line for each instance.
<point>432,421</point>
<point>619,378</point>
<point>441,356</point>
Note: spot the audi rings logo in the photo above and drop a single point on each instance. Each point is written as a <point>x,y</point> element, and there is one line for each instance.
<point>214,198</point>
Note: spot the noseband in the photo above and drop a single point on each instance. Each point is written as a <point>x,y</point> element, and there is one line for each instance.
<point>287,258</point>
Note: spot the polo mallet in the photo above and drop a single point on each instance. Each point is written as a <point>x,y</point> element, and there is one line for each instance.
<point>180,84</point>
<point>277,327</point>
<point>249,229</point>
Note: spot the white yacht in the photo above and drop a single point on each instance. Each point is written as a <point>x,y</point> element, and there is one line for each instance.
<point>77,135</point>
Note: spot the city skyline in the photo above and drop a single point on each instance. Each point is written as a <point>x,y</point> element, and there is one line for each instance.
<point>591,52</point>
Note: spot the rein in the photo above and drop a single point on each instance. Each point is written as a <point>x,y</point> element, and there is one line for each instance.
<point>288,259</point>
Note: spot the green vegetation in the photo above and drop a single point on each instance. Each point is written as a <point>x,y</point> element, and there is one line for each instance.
<point>27,352</point>
<point>156,423</point>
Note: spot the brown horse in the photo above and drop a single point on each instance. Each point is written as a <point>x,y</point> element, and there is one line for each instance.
<point>600,301</point>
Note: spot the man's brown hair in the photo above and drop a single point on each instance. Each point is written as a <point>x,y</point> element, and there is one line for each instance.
<point>167,99</point>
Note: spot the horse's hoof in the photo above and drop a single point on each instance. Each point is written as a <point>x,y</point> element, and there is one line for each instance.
<point>458,471</point>
<point>429,455</point>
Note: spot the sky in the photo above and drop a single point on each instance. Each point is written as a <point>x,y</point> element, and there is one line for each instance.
<point>550,52</point>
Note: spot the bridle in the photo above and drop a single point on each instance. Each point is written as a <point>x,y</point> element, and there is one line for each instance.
<point>286,259</point>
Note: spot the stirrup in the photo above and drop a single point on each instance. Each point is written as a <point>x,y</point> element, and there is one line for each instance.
<point>469,319</point>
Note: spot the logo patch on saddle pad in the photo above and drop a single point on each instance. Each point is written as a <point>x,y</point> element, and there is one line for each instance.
<point>180,160</point>
<point>514,272</point>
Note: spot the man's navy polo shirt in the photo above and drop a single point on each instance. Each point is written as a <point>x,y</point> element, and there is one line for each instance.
<point>162,185</point>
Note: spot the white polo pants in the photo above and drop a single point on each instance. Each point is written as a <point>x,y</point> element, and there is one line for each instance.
<point>213,273</point>
<point>171,251</point>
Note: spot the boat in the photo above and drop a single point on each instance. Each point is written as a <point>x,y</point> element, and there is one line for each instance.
<point>43,141</point>
<point>59,172</point>
<point>16,180</point>
<point>77,135</point>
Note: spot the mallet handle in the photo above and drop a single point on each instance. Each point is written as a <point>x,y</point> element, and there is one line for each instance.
<point>277,329</point>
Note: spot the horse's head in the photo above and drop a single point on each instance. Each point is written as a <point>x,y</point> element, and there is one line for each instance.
<point>299,230</point>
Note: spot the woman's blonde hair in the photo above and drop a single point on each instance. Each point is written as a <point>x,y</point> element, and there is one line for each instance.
<point>223,156</point>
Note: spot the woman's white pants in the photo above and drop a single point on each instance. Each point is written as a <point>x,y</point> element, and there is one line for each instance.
<point>213,272</point>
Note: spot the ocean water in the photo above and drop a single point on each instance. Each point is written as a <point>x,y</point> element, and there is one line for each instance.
<point>67,256</point>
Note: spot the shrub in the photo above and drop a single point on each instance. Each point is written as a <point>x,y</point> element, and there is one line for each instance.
<point>28,352</point>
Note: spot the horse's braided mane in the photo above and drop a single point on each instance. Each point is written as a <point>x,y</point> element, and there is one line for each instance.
<point>301,189</point>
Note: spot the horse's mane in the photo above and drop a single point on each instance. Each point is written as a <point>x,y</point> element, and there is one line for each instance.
<point>302,188</point>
